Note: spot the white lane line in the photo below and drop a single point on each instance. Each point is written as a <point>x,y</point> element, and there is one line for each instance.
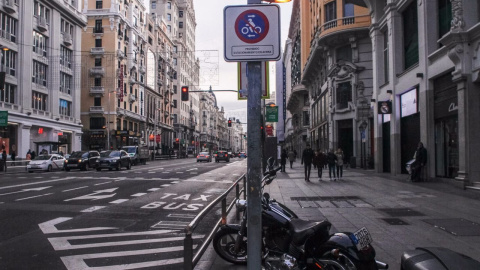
<point>22,199</point>
<point>171,224</point>
<point>119,201</point>
<point>63,243</point>
<point>48,227</point>
<point>78,261</point>
<point>175,182</point>
<point>179,172</point>
<point>165,185</point>
<point>37,183</point>
<point>103,183</point>
<point>138,194</point>
<point>187,216</point>
<point>92,209</point>
<point>153,189</point>
<point>74,189</point>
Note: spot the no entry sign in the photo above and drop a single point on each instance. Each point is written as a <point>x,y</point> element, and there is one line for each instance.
<point>252,33</point>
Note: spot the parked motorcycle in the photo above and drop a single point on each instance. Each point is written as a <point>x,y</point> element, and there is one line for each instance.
<point>292,243</point>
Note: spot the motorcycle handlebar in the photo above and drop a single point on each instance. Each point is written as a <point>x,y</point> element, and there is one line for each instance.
<point>272,172</point>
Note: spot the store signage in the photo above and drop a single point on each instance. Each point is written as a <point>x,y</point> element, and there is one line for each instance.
<point>158,138</point>
<point>271,114</point>
<point>384,107</point>
<point>3,118</point>
<point>269,130</point>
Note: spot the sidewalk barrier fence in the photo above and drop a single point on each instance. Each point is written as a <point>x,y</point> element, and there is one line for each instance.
<point>190,261</point>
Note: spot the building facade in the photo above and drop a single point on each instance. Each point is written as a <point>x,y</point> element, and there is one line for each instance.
<point>41,41</point>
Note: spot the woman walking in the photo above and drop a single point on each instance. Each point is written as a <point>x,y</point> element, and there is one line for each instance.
<point>340,157</point>
<point>331,161</point>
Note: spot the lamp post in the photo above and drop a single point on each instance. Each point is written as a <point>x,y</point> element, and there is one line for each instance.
<point>107,126</point>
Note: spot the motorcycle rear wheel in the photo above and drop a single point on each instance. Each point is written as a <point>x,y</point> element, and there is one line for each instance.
<point>224,244</point>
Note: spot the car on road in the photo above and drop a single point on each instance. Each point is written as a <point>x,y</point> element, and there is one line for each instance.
<point>46,163</point>
<point>83,160</point>
<point>204,156</point>
<point>222,155</point>
<point>242,154</point>
<point>114,159</point>
<point>138,154</point>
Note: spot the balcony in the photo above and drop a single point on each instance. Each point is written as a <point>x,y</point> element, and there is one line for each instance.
<point>132,80</point>
<point>97,90</point>
<point>97,51</point>
<point>9,6</point>
<point>96,109</point>
<point>97,71</point>
<point>42,24</point>
<point>141,69</point>
<point>98,30</point>
<point>120,34</point>
<point>120,54</point>
<point>127,40</point>
<point>343,24</point>
<point>67,39</point>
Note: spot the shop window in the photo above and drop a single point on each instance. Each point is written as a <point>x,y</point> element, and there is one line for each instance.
<point>410,35</point>
<point>344,95</point>
<point>7,94</point>
<point>409,103</point>
<point>444,17</point>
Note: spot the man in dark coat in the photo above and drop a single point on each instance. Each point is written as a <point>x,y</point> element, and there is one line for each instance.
<point>420,162</point>
<point>307,158</point>
<point>331,161</point>
<point>319,160</point>
<point>283,160</point>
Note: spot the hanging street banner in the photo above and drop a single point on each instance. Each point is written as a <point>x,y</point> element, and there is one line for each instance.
<point>251,33</point>
<point>269,130</point>
<point>271,114</point>
<point>3,118</point>
<point>242,73</point>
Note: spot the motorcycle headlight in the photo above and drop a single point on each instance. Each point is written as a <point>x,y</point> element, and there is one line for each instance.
<point>241,205</point>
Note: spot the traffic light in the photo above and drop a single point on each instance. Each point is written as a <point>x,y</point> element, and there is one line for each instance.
<point>229,123</point>
<point>177,140</point>
<point>184,93</point>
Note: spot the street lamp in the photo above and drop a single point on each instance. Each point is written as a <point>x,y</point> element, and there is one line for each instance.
<point>107,126</point>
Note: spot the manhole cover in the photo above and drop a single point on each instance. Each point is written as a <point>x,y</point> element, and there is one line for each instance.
<point>401,212</point>
<point>456,226</point>
<point>395,221</point>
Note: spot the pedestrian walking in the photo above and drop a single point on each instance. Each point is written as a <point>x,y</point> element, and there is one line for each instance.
<point>291,158</point>
<point>339,164</point>
<point>319,160</point>
<point>4,160</point>
<point>283,159</point>
<point>29,155</point>
<point>420,161</point>
<point>295,153</point>
<point>331,161</point>
<point>307,158</point>
<point>33,154</point>
<point>12,156</point>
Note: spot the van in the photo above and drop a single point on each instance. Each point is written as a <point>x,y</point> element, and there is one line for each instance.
<point>138,154</point>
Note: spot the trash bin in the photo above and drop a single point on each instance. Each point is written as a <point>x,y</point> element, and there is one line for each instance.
<point>437,258</point>
<point>353,162</point>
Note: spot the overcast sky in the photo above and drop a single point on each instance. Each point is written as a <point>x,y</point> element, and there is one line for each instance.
<point>209,45</point>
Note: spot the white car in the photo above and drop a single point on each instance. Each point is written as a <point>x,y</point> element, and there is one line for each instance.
<point>46,163</point>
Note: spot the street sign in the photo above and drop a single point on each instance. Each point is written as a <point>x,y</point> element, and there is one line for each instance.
<point>242,81</point>
<point>271,114</point>
<point>3,118</point>
<point>269,130</point>
<point>251,33</point>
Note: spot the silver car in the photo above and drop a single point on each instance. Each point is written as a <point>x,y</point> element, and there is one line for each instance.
<point>204,156</point>
<point>46,163</point>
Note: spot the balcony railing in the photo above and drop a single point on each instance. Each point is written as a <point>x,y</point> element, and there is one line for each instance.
<point>141,69</point>
<point>98,30</point>
<point>97,71</point>
<point>67,39</point>
<point>96,109</point>
<point>343,23</point>
<point>97,90</point>
<point>97,51</point>
<point>42,24</point>
<point>120,54</point>
<point>9,6</point>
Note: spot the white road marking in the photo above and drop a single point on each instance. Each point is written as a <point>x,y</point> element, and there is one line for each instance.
<point>119,201</point>
<point>95,195</point>
<point>153,189</point>
<point>179,172</point>
<point>187,216</point>
<point>78,261</point>
<point>103,183</point>
<point>173,224</point>
<point>63,243</point>
<point>138,194</point>
<point>92,209</point>
<point>74,188</point>
<point>49,227</point>
<point>26,190</point>
<point>36,183</point>
<point>165,185</point>
<point>22,199</point>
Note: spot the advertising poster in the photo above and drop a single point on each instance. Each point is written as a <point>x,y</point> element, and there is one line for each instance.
<point>243,82</point>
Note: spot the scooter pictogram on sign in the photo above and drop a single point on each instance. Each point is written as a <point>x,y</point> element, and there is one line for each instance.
<point>251,26</point>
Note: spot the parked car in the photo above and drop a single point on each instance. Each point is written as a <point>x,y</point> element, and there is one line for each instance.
<point>204,156</point>
<point>222,155</point>
<point>138,154</point>
<point>46,163</point>
<point>82,160</point>
<point>114,159</point>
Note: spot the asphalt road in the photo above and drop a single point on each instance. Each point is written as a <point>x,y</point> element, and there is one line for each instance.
<point>128,219</point>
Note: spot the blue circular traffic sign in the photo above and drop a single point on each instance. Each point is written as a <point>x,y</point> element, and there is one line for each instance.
<point>251,26</point>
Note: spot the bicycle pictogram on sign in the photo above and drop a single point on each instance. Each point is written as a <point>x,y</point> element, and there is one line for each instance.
<point>251,26</point>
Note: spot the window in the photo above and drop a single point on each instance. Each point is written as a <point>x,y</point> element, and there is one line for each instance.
<point>174,103</point>
<point>306,118</point>
<point>97,81</point>
<point>169,28</point>
<point>444,17</point>
<point>98,26</point>
<point>39,101</point>
<point>331,11</point>
<point>39,10</point>
<point>97,101</point>
<point>410,35</point>
<point>39,44</point>
<point>348,10</point>
<point>66,57</point>
<point>98,62</point>
<point>344,95</point>
<point>98,4</point>
<point>97,122</point>
<point>66,27</point>
<point>169,17</point>
<point>8,27</point>
<point>344,53</point>
<point>98,43</point>
<point>65,83</point>
<point>65,107</point>
<point>180,24</point>
<point>385,57</point>
<point>9,62</point>
<point>180,13</point>
<point>169,5</point>
<point>39,75</point>
<point>7,94</point>
<point>154,4</point>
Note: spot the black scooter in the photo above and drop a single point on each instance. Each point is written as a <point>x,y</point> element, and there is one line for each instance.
<point>292,243</point>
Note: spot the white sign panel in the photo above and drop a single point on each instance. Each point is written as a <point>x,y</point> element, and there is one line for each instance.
<point>251,33</point>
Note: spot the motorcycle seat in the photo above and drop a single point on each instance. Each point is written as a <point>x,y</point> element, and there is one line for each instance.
<point>302,229</point>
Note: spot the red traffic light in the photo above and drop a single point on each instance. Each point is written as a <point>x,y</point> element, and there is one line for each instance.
<point>184,93</point>
<point>177,140</point>
<point>229,123</point>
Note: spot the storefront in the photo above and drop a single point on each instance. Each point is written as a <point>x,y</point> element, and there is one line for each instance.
<point>446,127</point>
<point>8,138</point>
<point>409,125</point>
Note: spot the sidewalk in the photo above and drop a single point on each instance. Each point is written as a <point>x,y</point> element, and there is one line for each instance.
<point>400,215</point>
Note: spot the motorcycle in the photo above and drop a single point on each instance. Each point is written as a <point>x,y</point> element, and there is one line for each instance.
<point>292,243</point>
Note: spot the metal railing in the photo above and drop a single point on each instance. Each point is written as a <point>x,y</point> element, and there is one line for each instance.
<point>189,259</point>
